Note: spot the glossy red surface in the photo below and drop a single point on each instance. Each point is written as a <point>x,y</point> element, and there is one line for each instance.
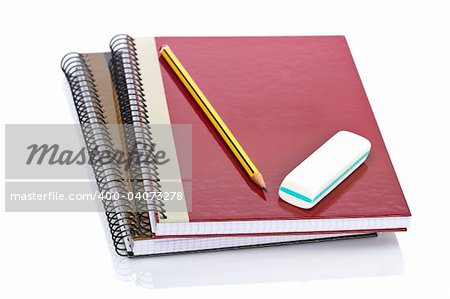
<point>282,97</point>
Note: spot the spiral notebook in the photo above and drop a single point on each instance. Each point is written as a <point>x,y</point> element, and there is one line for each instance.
<point>97,105</point>
<point>311,81</point>
<point>299,91</point>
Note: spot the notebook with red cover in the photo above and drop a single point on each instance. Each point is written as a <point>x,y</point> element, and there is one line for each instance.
<point>282,97</point>
<point>99,107</point>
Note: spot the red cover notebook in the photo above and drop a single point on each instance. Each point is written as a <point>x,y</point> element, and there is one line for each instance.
<point>282,97</point>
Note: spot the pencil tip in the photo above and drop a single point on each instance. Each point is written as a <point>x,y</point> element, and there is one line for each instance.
<point>265,189</point>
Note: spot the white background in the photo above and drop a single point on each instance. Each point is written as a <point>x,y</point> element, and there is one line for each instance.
<point>401,50</point>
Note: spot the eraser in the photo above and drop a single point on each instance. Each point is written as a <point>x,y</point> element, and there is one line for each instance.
<point>324,169</point>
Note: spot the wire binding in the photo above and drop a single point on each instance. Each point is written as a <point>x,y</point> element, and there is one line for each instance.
<point>96,133</point>
<point>144,174</point>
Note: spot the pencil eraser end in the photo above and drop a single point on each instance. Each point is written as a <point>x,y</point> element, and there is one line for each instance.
<point>324,169</point>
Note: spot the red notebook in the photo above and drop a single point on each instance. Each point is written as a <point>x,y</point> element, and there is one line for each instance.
<point>282,97</point>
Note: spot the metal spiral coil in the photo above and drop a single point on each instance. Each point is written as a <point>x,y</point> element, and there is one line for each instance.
<point>139,141</point>
<point>96,133</point>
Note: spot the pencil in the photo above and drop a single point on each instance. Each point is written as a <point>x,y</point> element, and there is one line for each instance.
<point>213,116</point>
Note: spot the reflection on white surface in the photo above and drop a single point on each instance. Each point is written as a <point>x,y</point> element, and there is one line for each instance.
<point>380,256</point>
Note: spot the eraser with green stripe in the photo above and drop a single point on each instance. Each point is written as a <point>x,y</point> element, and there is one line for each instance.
<point>324,169</point>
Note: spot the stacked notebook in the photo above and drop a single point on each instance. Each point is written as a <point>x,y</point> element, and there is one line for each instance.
<point>282,97</point>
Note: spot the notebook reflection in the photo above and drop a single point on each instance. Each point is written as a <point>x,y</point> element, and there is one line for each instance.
<point>379,256</point>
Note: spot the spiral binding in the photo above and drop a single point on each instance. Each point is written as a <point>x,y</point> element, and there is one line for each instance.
<point>126,75</point>
<point>96,133</point>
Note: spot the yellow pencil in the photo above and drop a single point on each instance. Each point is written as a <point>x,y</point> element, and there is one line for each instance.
<point>212,115</point>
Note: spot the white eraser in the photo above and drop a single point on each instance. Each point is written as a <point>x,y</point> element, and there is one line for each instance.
<point>324,169</point>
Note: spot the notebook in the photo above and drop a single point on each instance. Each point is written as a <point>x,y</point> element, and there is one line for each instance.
<point>311,82</point>
<point>98,107</point>
<point>282,97</point>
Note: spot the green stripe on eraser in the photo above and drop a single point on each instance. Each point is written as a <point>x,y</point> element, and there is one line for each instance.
<point>324,169</point>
